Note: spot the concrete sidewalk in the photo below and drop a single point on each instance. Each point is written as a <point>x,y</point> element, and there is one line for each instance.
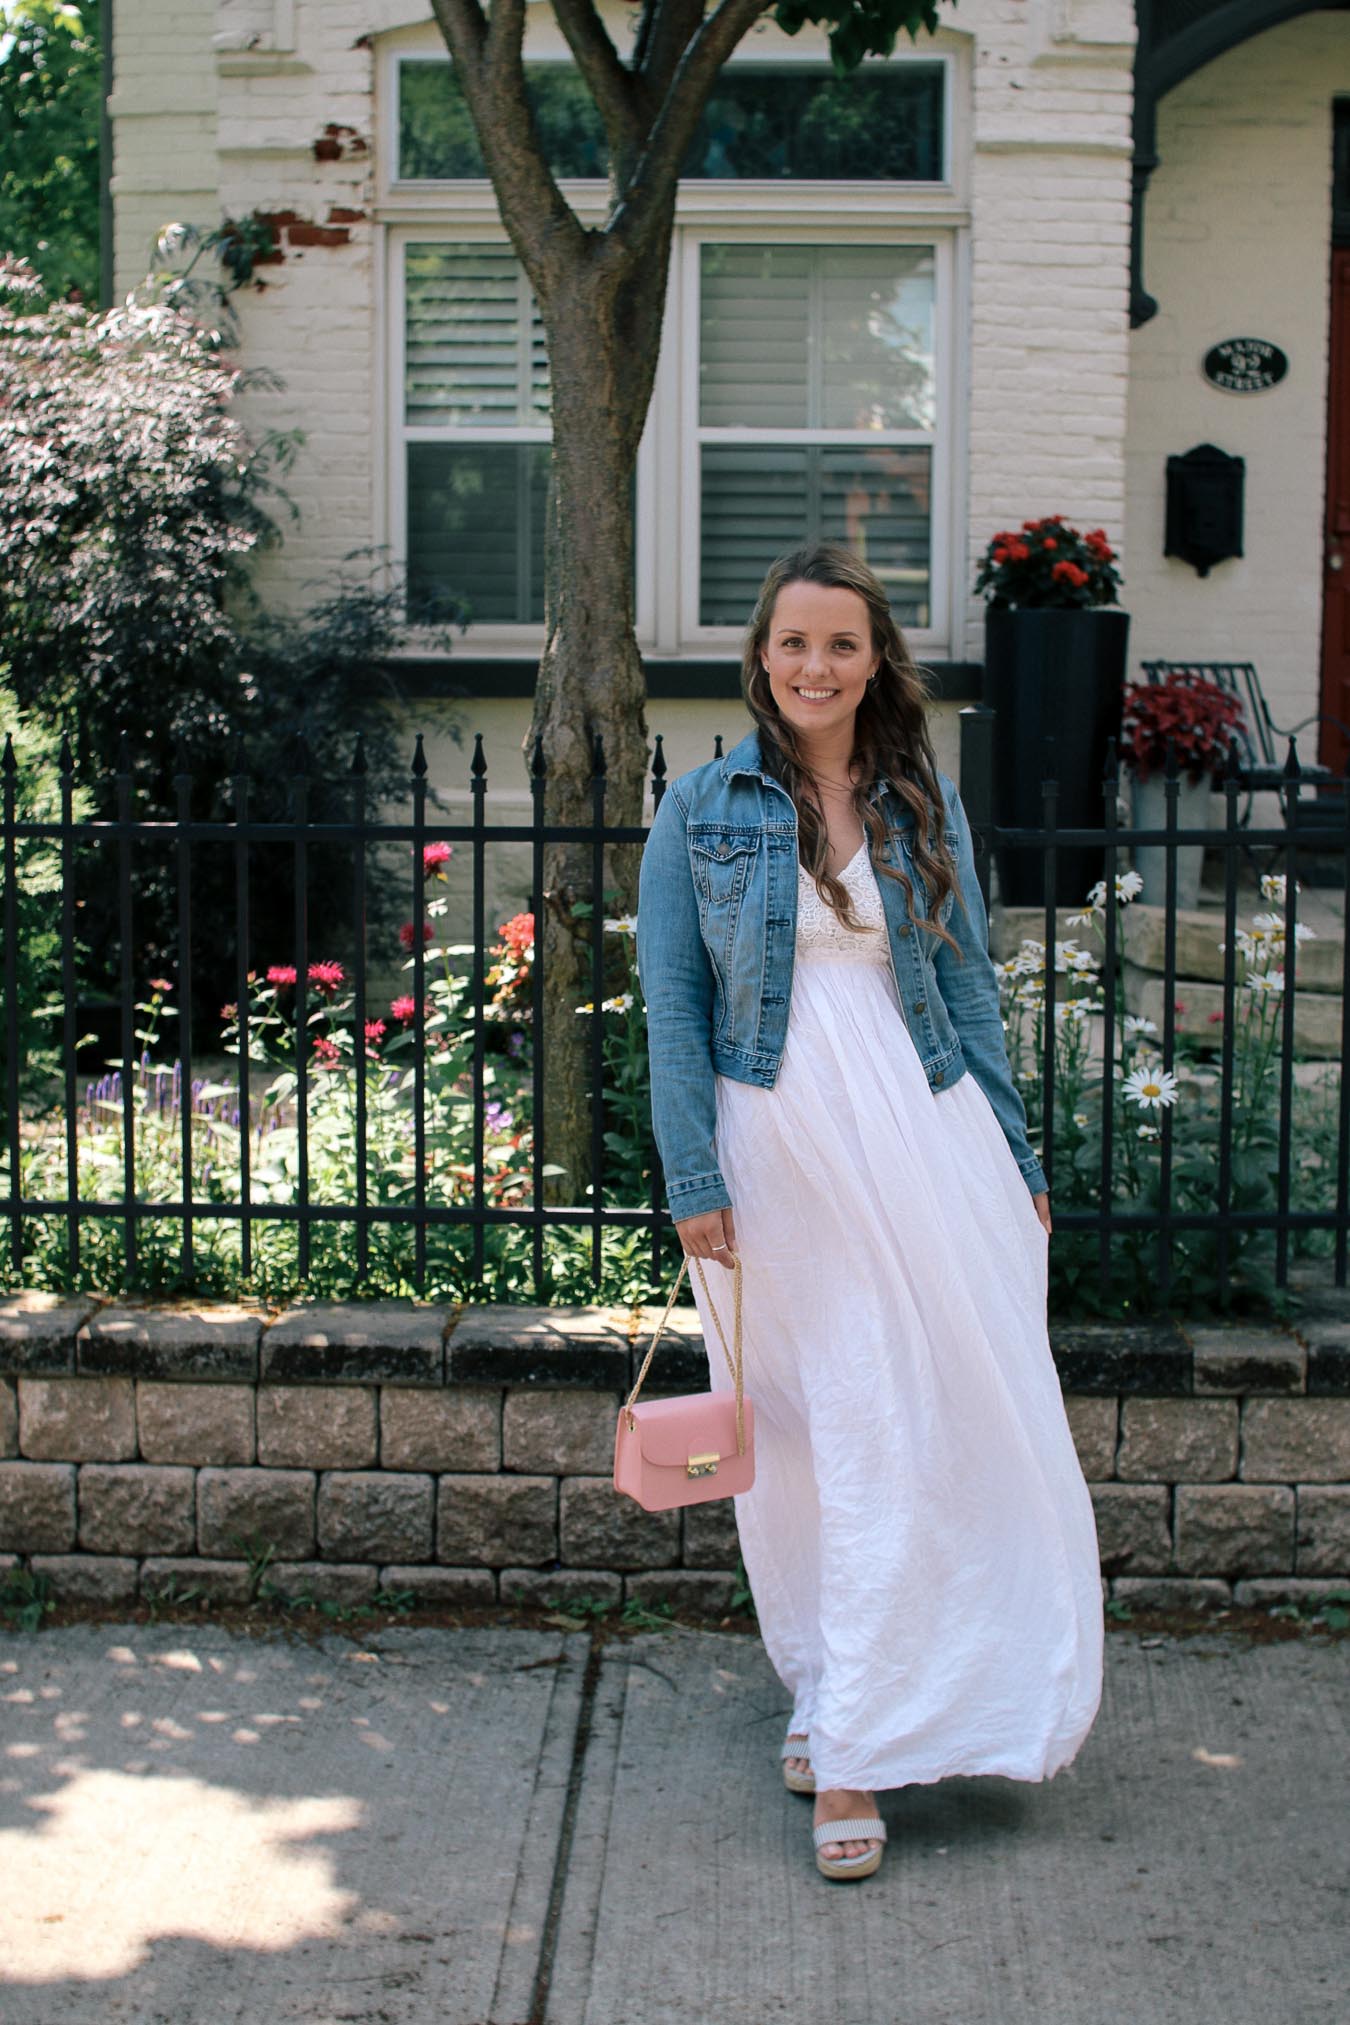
<point>509,1827</point>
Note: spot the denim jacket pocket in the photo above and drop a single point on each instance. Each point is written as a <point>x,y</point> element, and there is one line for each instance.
<point>723,858</point>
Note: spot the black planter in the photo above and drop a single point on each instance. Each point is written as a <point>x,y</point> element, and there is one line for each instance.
<point>1056,675</point>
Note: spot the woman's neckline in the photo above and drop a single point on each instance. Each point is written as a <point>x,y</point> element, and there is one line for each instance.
<point>843,868</point>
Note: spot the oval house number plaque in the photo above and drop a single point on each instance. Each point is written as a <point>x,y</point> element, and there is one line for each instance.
<point>1245,365</point>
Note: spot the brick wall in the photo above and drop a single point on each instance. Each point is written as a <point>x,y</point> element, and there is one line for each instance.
<point>465,1456</point>
<point>1237,243</point>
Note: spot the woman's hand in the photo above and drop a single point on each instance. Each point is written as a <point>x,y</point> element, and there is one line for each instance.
<point>712,1236</point>
<point>1042,1202</point>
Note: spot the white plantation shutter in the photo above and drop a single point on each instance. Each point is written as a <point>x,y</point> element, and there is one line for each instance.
<point>473,342</point>
<point>832,348</point>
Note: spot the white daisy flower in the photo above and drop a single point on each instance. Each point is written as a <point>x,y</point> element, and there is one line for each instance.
<point>1265,983</point>
<point>1074,1010</point>
<point>617,1005</point>
<point>1150,1086</point>
<point>621,924</point>
<point>1135,1023</point>
<point>1080,1117</point>
<point>1147,1131</point>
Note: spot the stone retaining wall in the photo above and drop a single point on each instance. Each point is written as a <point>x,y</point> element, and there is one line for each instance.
<point>464,1456</point>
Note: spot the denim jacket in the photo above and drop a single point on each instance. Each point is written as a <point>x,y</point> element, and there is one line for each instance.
<point>716,934</point>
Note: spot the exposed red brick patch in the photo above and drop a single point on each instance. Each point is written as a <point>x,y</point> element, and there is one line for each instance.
<point>338,143</point>
<point>318,235</point>
<point>339,215</point>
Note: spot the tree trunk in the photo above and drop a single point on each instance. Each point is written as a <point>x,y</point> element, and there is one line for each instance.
<point>602,341</point>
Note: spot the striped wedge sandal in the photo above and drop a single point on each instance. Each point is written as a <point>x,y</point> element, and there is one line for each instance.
<point>857,1828</point>
<point>795,1746</point>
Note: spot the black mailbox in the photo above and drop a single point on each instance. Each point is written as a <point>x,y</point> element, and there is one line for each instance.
<point>1204,506</point>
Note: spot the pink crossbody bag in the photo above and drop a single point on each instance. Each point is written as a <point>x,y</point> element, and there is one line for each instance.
<point>697,1446</point>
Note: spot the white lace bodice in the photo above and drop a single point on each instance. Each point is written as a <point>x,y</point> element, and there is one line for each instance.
<point>820,932</point>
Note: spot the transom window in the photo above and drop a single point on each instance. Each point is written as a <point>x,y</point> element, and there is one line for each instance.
<point>762,121</point>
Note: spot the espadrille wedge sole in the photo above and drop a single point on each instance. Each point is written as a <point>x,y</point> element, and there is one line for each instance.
<point>858,1828</point>
<point>795,1746</point>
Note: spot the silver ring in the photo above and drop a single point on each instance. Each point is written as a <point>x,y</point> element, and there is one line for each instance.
<point>721,1248</point>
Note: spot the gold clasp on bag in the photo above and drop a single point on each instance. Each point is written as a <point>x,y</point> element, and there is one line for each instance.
<point>702,1465</point>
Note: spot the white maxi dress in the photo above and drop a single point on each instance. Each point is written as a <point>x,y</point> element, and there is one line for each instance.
<point>919,1539</point>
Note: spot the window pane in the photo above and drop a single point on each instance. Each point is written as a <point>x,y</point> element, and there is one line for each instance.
<point>476,530</point>
<point>816,337</point>
<point>759,500</point>
<point>789,120</point>
<point>474,344</point>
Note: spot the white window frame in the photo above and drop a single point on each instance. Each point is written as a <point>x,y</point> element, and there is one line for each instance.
<point>666,551</point>
<point>723,639</point>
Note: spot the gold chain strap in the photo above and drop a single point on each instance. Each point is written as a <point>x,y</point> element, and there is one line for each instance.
<point>735,1363</point>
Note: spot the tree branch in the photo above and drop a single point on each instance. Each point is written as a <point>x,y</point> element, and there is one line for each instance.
<point>487,50</point>
<point>663,36</point>
<point>654,178</point>
<point>612,85</point>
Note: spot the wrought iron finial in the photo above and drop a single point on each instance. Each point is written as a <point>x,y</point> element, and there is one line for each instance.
<point>478,764</point>
<point>419,760</point>
<point>358,765</point>
<point>659,759</point>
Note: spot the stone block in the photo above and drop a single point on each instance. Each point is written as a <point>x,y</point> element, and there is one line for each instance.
<point>1303,1440</point>
<point>209,1341</point>
<point>1133,1531</point>
<point>343,1583</point>
<point>189,1574</point>
<point>1178,1440</point>
<point>1265,1590</point>
<point>710,1536</point>
<point>1322,1533</point>
<point>89,1578</point>
<point>1234,1529</point>
<point>1099,1357</point>
<point>452,1588</point>
<point>690,1592</point>
<point>371,1515</point>
<point>458,1429</point>
<point>1199,931</point>
<point>1329,1363</point>
<point>9,1417</point>
<point>240,1512</point>
<point>681,1361</point>
<point>1092,1423</point>
<point>77,1419</point>
<point>1317,1016</point>
<point>141,1508</point>
<point>538,1346</point>
<point>496,1521</point>
<point>1172,1592</point>
<point>563,1431</point>
<point>38,1331</point>
<point>37,1507</point>
<point>317,1427</point>
<point>560,1588</point>
<point>179,1422</point>
<point>394,1342</point>
<point>599,1529</point>
<point>1245,1359</point>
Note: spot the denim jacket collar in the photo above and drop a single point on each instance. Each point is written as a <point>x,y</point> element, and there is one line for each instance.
<point>746,757</point>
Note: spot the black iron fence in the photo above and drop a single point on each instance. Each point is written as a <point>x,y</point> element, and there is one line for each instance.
<point>407,1148</point>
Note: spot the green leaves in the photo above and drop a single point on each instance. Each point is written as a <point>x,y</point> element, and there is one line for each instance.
<point>859,28</point>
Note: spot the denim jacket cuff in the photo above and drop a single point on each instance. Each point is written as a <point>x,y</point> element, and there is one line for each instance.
<point>1034,1176</point>
<point>696,1195</point>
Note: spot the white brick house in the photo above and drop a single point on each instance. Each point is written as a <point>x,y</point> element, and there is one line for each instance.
<point>1004,234</point>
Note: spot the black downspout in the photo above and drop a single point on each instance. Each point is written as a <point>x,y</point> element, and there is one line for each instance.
<point>1145,161</point>
<point>105,157</point>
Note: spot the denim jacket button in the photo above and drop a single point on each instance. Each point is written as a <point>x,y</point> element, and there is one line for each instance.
<point>937,1075</point>
<point>906,927</point>
<point>921,1005</point>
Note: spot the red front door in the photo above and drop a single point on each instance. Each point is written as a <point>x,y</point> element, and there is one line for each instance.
<point>1333,745</point>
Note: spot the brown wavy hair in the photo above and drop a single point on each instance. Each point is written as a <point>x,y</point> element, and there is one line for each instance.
<point>890,743</point>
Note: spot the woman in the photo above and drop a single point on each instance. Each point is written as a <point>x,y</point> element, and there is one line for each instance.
<point>834,1108</point>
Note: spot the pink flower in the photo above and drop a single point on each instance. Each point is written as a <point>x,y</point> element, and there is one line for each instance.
<point>405,933</point>
<point>229,1012</point>
<point>281,973</point>
<point>328,976</point>
<point>434,856</point>
<point>326,1053</point>
<point>1214,1016</point>
<point>404,1010</point>
<point>375,1031</point>
<point>1178,1005</point>
<point>161,984</point>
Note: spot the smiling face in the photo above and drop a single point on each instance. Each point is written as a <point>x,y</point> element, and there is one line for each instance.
<point>818,653</point>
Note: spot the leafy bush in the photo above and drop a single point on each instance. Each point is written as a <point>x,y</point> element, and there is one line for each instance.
<point>50,90</point>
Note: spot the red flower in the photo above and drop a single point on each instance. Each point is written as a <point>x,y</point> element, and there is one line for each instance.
<point>229,1012</point>
<point>404,1010</point>
<point>436,855</point>
<point>326,1052</point>
<point>1069,573</point>
<point>1214,1016</point>
<point>1049,542</point>
<point>406,932</point>
<point>281,973</point>
<point>1178,1005</point>
<point>374,1032</point>
<point>328,976</point>
<point>518,934</point>
<point>161,984</point>
<point>1000,555</point>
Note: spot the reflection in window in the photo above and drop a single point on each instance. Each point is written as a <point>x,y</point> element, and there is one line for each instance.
<point>882,123</point>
